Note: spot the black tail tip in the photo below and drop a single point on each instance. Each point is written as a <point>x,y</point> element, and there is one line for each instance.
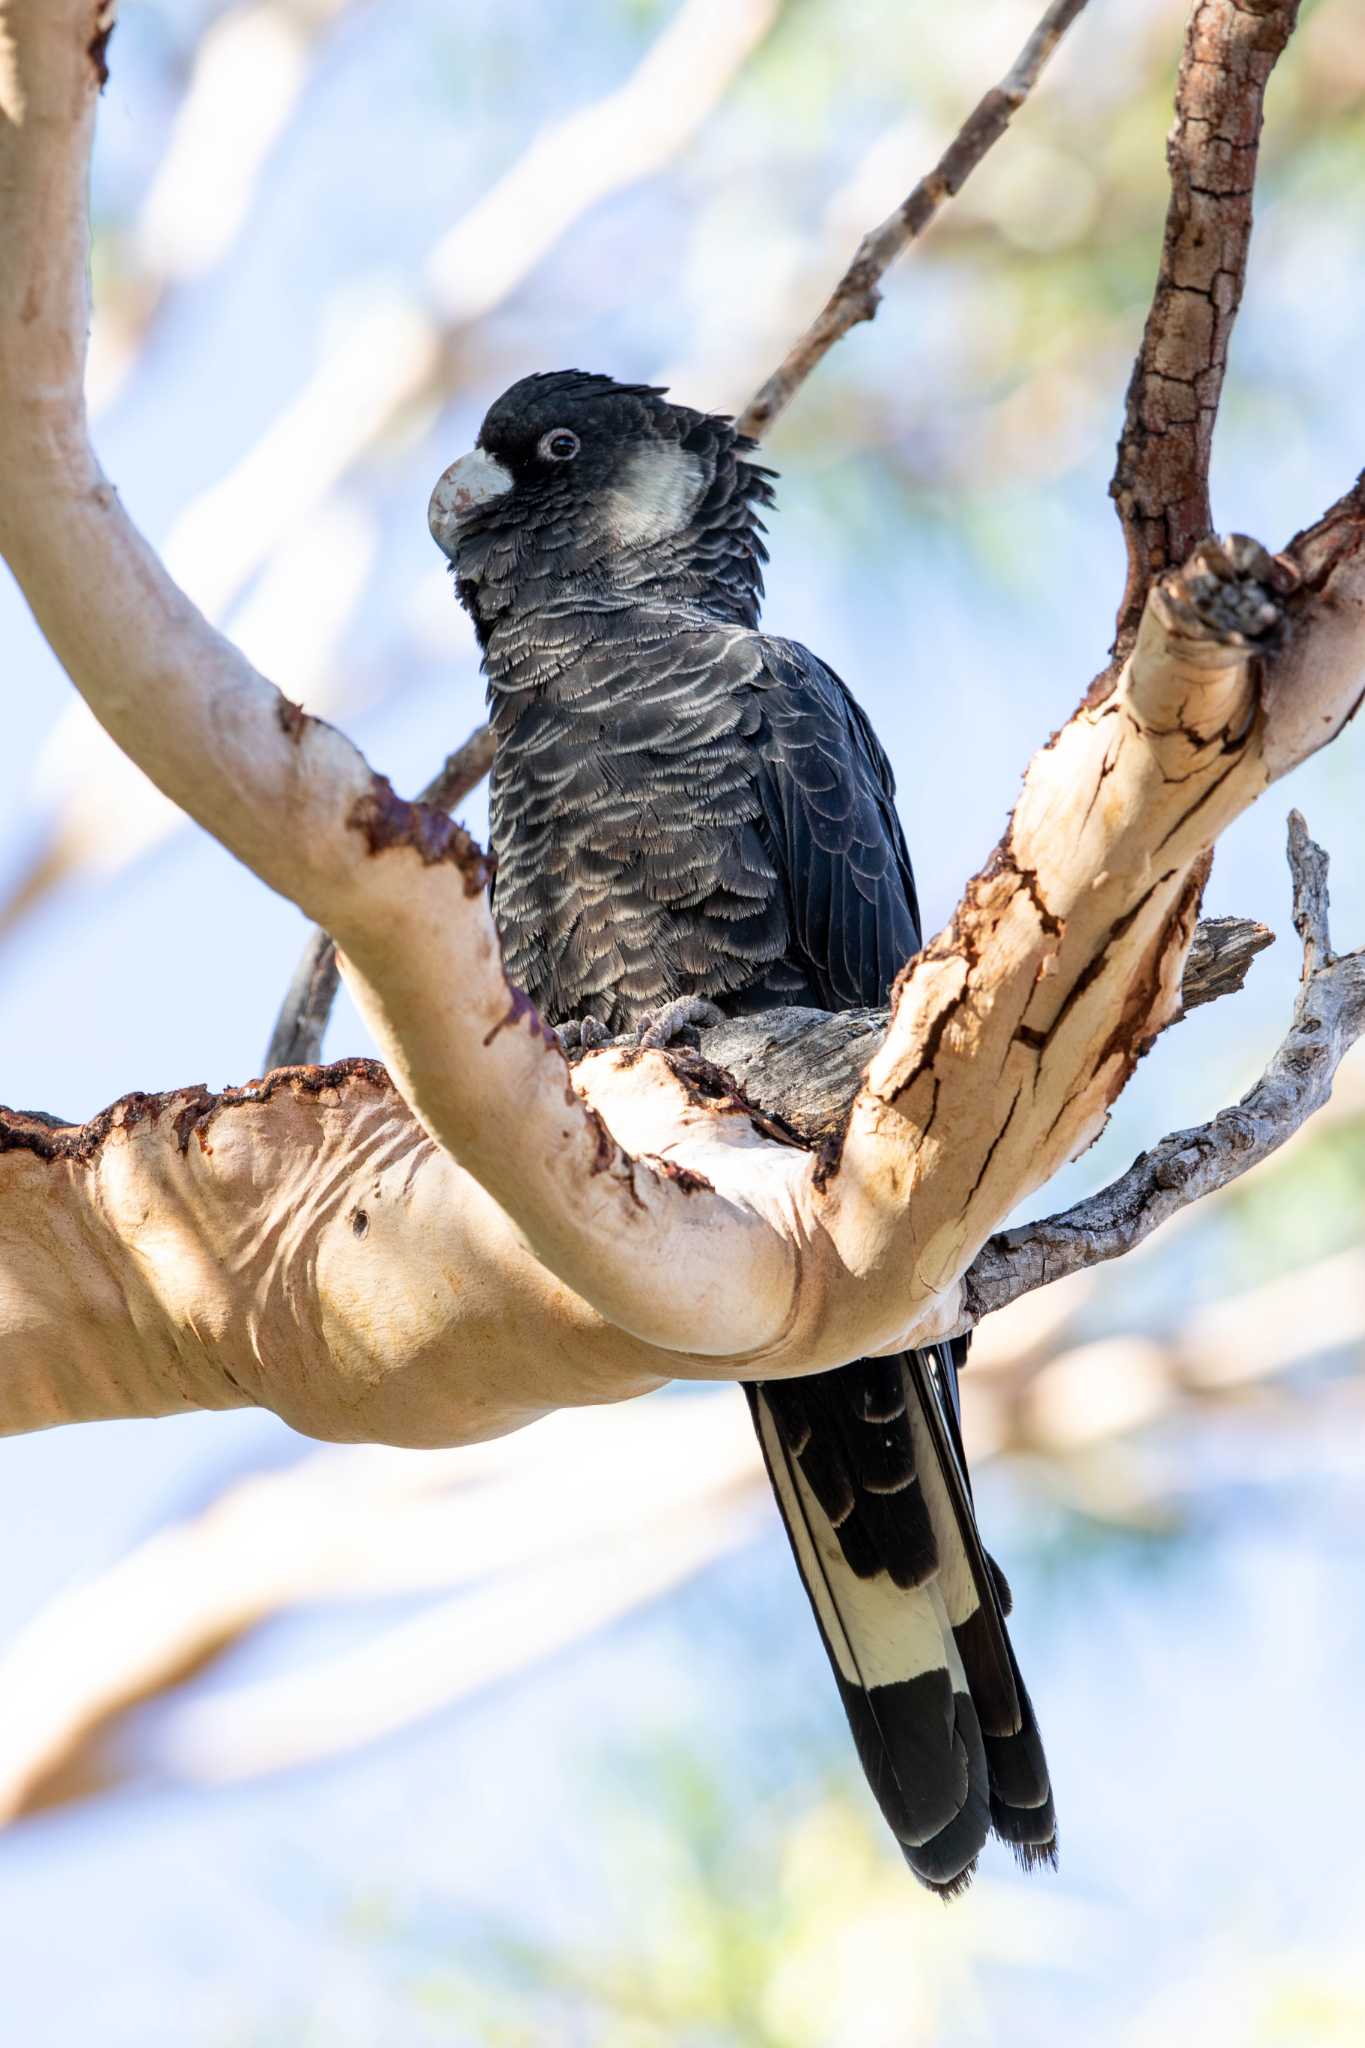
<point>1034,1855</point>
<point>1028,1855</point>
<point>945,1888</point>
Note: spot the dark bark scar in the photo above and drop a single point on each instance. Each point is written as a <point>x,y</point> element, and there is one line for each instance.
<point>388,820</point>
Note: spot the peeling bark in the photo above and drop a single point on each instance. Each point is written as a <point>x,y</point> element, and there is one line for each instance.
<point>1329,1017</point>
<point>1161,480</point>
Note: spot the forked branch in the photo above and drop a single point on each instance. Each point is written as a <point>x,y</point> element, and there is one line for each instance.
<point>443,1250</point>
<point>1161,480</point>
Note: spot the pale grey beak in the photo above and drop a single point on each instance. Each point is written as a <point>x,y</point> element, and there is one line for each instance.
<point>472,481</point>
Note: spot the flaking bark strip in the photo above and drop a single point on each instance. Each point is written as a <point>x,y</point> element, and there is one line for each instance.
<point>1132,1036</point>
<point>520,1006</point>
<point>97,49</point>
<point>993,1148</point>
<point>682,1177</point>
<point>1004,862</point>
<point>706,1084</point>
<point>190,1110</point>
<point>1099,960</point>
<point>388,820</point>
<point>292,718</point>
<point>609,1156</point>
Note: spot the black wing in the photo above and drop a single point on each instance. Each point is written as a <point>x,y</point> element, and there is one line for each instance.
<point>829,814</point>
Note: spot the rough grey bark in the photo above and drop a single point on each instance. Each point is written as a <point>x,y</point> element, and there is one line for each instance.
<point>805,1066</point>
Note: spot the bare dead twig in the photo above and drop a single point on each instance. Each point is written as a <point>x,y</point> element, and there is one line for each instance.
<point>1161,478</point>
<point>1329,1016</point>
<point>856,296</point>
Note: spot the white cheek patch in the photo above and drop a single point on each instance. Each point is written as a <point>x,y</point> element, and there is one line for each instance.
<point>656,496</point>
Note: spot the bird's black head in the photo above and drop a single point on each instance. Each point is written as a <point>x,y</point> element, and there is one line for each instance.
<point>582,488</point>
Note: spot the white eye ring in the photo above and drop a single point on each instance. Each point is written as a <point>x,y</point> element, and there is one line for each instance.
<point>561,444</point>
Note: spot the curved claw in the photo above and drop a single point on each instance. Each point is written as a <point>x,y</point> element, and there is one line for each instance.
<point>677,1023</point>
<point>581,1034</point>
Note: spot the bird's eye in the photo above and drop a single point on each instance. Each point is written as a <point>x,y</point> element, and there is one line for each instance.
<point>559,445</point>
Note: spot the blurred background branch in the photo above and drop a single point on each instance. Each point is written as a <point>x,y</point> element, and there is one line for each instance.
<point>856,296</point>
<point>245,80</point>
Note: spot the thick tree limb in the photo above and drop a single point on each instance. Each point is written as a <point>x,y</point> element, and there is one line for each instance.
<point>301,1026</point>
<point>444,1254</point>
<point>806,1066</point>
<point>1329,1017</point>
<point>1161,480</point>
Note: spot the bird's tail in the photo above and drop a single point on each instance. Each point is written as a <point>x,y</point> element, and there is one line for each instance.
<point>870,1476</point>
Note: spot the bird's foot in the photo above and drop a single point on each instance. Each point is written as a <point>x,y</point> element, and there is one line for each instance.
<point>582,1034</point>
<point>677,1023</point>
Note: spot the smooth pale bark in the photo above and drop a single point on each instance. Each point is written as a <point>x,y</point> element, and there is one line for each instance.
<point>530,1238</point>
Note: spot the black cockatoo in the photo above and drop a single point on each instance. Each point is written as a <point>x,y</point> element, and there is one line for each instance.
<point>689,812</point>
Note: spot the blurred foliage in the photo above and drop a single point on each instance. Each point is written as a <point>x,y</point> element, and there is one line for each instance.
<point>1017,317</point>
<point>1313,1204</point>
<point>1011,326</point>
<point>745,1927</point>
<point>764,1928</point>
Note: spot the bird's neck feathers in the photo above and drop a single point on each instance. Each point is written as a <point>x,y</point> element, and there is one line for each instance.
<point>679,527</point>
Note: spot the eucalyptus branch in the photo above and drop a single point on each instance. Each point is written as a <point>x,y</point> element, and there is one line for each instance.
<point>450,1245</point>
<point>301,1025</point>
<point>1161,478</point>
<point>1329,1017</point>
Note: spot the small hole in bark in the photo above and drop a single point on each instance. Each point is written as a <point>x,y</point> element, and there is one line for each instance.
<point>360,1223</point>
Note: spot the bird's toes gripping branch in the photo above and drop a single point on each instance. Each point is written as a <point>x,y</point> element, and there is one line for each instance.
<point>580,1035</point>
<point>680,1022</point>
